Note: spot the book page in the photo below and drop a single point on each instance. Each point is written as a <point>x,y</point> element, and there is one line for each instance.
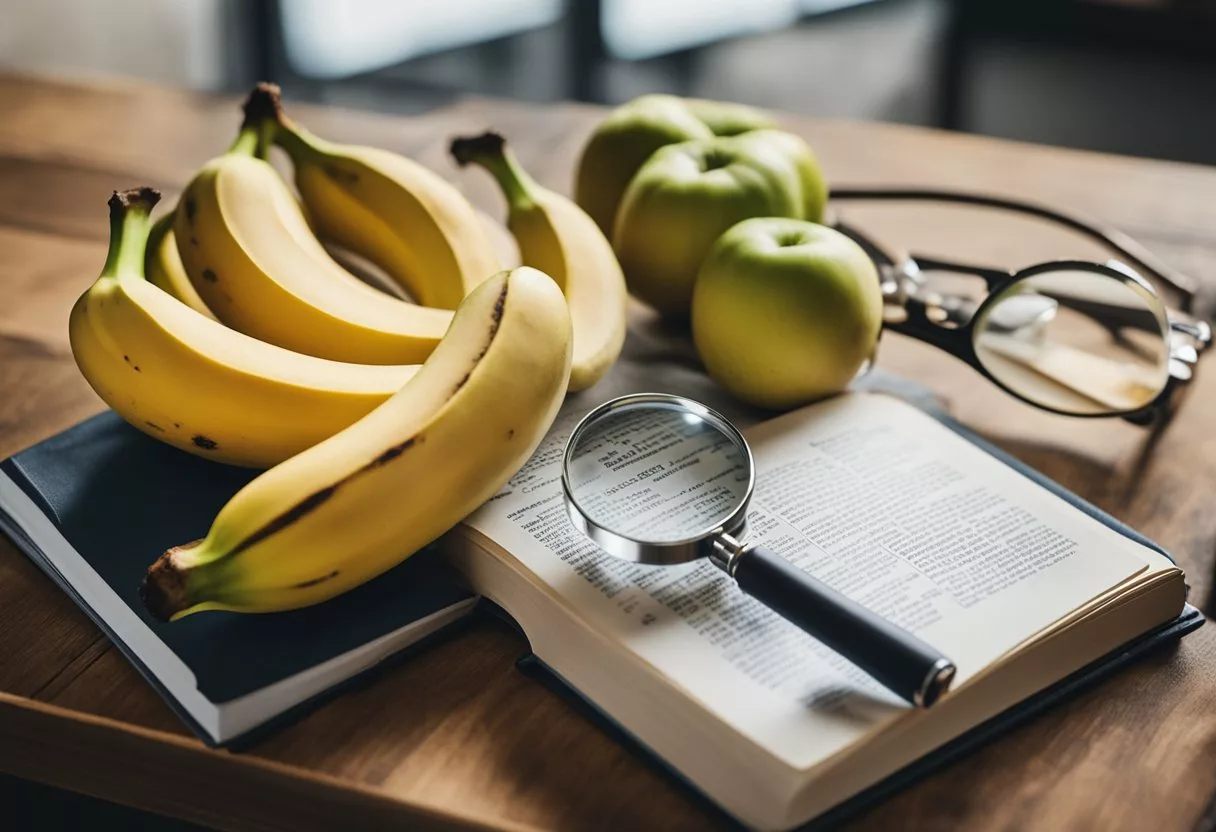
<point>873,497</point>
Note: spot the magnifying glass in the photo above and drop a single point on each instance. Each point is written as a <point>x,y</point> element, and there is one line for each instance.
<point>659,479</point>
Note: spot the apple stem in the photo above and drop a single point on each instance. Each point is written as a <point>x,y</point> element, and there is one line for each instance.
<point>490,151</point>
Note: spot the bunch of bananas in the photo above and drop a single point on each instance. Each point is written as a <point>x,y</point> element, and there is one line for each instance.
<point>228,330</point>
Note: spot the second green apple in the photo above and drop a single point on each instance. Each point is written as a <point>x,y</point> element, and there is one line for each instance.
<point>631,133</point>
<point>686,195</point>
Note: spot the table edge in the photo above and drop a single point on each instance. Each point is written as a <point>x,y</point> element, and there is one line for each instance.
<point>37,738</point>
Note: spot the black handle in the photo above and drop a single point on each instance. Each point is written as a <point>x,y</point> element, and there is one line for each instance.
<point>896,659</point>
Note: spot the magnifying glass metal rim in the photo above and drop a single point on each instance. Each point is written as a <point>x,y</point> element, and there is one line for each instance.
<point>653,552</point>
<point>895,658</point>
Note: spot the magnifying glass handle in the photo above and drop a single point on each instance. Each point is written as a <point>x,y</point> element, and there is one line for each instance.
<point>896,659</point>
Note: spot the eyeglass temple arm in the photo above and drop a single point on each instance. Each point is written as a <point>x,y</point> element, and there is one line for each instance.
<point>992,277</point>
<point>885,260</point>
<point>881,257</point>
<point>916,324</point>
<point>1111,316</point>
<point>1137,255</point>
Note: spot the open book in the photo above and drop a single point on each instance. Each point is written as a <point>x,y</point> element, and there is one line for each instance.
<point>884,503</point>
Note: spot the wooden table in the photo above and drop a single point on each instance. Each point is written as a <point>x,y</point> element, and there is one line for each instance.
<point>458,737</point>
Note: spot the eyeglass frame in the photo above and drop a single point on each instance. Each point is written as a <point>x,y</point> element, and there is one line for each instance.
<point>926,317</point>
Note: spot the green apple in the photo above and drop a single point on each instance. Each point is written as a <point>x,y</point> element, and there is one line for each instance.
<point>785,311</point>
<point>623,142</point>
<point>804,167</point>
<point>681,201</point>
<point>726,119</point>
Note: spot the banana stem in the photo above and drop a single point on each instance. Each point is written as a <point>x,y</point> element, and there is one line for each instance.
<point>264,115</point>
<point>129,226</point>
<point>249,141</point>
<point>490,151</point>
<point>264,112</point>
<point>266,131</point>
<point>295,141</point>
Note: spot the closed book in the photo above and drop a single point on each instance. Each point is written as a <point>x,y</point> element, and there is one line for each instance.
<point>95,505</point>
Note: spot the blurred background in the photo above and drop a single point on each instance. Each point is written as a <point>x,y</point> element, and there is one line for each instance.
<point>1127,76</point>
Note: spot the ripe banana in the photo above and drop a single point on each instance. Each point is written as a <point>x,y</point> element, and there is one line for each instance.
<point>365,499</point>
<point>559,238</point>
<point>163,266</point>
<point>248,249</point>
<point>408,220</point>
<point>192,382</point>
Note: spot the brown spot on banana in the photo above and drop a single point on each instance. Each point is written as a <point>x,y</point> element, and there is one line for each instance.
<point>311,502</point>
<point>315,581</point>
<point>154,426</point>
<point>209,276</point>
<point>345,177</point>
<point>206,443</point>
<point>391,453</point>
<point>495,321</point>
<point>300,509</point>
<point>315,499</point>
<point>191,211</point>
<point>496,315</point>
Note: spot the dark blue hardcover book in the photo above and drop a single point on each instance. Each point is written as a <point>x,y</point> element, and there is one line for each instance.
<point>96,504</point>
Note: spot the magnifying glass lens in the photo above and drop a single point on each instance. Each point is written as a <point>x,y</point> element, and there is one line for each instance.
<point>658,479</point>
<point>657,473</point>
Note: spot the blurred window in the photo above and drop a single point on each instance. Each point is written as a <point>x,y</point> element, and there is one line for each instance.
<point>636,29</point>
<point>639,29</point>
<point>325,39</point>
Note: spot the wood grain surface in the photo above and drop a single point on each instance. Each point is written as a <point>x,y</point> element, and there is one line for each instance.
<point>457,736</point>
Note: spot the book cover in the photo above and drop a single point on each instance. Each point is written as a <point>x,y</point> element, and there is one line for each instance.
<point>119,498</point>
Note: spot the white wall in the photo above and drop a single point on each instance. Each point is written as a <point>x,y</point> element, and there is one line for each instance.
<point>175,42</point>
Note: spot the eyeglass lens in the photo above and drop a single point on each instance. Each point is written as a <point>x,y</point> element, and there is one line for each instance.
<point>1078,342</point>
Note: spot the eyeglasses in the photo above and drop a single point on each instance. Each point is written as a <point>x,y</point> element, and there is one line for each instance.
<point>1073,337</point>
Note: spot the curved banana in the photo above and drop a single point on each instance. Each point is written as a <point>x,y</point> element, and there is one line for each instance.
<point>367,498</point>
<point>163,266</point>
<point>248,249</point>
<point>192,382</point>
<point>559,238</point>
<point>411,222</point>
